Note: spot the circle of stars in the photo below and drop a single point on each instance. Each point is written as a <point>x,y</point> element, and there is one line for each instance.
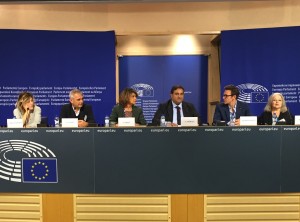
<point>39,164</point>
<point>259,97</point>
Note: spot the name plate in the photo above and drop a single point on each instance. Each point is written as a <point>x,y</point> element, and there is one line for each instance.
<point>189,121</point>
<point>69,122</point>
<point>126,121</point>
<point>297,120</point>
<point>14,123</point>
<point>248,121</point>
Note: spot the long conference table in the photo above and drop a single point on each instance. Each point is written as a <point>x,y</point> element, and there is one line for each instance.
<point>150,160</point>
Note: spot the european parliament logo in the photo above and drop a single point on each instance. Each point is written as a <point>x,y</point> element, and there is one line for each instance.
<point>143,90</point>
<point>253,93</point>
<point>27,162</point>
<point>39,170</point>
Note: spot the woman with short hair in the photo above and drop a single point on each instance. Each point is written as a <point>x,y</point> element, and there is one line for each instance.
<point>276,112</point>
<point>127,108</point>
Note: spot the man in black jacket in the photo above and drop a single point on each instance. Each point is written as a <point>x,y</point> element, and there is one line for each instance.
<point>175,108</point>
<point>77,109</point>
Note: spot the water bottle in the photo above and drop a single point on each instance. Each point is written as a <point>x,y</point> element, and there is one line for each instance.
<point>106,121</point>
<point>56,121</point>
<point>162,121</point>
<point>274,119</point>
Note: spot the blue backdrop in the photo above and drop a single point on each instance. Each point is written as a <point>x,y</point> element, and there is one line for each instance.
<point>50,63</point>
<point>261,62</point>
<point>153,77</point>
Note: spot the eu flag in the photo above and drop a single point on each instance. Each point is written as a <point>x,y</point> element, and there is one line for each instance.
<point>259,97</point>
<point>39,170</point>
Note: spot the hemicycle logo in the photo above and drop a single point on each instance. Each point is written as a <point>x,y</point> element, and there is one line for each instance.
<point>143,90</point>
<point>253,93</point>
<point>27,162</point>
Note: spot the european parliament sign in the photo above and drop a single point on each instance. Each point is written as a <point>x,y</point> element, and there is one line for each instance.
<point>49,64</point>
<point>261,62</point>
<point>91,160</point>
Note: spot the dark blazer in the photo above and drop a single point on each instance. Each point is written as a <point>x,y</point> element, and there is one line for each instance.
<point>222,112</point>
<point>266,118</point>
<point>166,109</point>
<point>85,112</point>
<point>137,113</point>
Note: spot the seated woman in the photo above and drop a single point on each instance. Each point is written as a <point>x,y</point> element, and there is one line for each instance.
<point>27,110</point>
<point>276,106</point>
<point>127,108</point>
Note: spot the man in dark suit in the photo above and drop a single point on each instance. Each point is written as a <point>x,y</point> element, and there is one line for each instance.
<point>231,109</point>
<point>175,108</point>
<point>77,109</point>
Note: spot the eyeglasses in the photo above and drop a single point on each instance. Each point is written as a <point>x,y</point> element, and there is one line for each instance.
<point>226,95</point>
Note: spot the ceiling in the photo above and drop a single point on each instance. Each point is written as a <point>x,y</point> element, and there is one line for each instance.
<point>117,1</point>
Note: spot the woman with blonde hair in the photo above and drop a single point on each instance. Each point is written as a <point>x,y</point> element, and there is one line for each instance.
<point>276,112</point>
<point>27,110</point>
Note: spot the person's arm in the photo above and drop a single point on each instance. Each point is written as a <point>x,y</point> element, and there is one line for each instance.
<point>141,119</point>
<point>195,114</point>
<point>17,114</point>
<point>265,118</point>
<point>82,123</point>
<point>217,114</point>
<point>289,118</point>
<point>159,112</point>
<point>86,116</point>
<point>90,115</point>
<point>37,117</point>
<point>114,114</point>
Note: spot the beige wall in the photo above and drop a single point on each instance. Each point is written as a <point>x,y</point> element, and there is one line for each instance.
<point>149,29</point>
<point>152,28</point>
<point>152,18</point>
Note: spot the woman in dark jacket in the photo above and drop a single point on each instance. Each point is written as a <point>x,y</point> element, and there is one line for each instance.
<point>276,112</point>
<point>127,108</point>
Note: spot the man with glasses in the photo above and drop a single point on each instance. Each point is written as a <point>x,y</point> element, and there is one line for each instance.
<point>175,108</point>
<point>231,109</point>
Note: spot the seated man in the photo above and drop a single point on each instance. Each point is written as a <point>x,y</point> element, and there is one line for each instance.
<point>231,109</point>
<point>175,108</point>
<point>77,109</point>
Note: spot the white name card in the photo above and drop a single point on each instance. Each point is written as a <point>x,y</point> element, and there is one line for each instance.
<point>248,121</point>
<point>69,122</point>
<point>189,121</point>
<point>14,123</point>
<point>297,120</point>
<point>126,121</point>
